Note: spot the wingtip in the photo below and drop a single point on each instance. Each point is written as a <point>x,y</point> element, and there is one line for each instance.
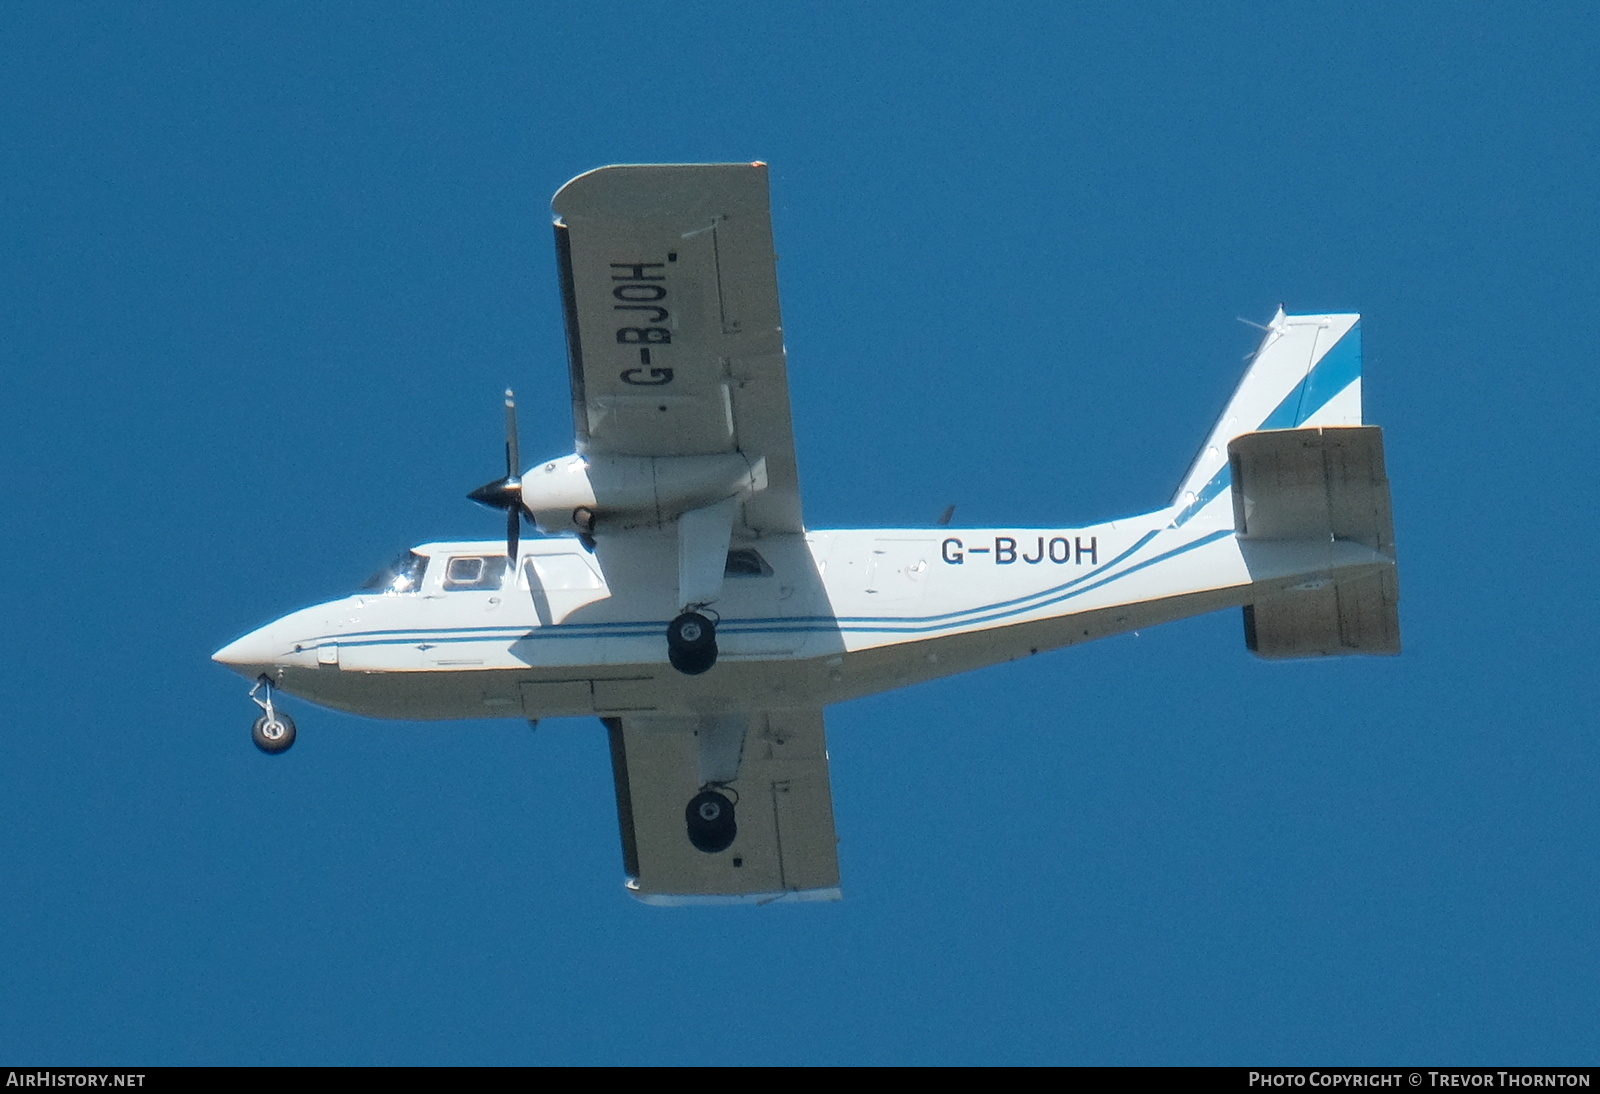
<point>699,900</point>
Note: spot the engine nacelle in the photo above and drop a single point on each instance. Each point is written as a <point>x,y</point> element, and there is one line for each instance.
<point>579,494</point>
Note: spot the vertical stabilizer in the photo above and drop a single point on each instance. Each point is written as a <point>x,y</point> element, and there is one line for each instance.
<point>1306,372</point>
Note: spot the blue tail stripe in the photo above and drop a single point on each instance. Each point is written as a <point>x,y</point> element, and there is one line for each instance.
<point>1335,372</point>
<point>1338,369</point>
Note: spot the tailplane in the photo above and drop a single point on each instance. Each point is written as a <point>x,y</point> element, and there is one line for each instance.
<point>1320,492</point>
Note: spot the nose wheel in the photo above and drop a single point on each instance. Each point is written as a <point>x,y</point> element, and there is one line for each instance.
<point>274,730</point>
<point>692,643</point>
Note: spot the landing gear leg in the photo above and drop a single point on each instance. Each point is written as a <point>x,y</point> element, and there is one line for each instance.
<point>274,730</point>
<point>692,643</point>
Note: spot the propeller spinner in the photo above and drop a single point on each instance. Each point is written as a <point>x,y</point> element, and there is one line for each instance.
<point>506,493</point>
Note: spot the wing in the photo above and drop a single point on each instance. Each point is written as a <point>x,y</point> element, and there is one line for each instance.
<point>776,842</point>
<point>673,335</point>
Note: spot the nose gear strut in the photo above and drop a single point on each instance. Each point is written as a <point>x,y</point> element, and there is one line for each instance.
<point>274,730</point>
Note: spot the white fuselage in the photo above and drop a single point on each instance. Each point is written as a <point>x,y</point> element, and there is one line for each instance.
<point>811,620</point>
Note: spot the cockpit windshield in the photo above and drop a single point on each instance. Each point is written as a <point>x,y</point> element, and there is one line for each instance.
<point>403,575</point>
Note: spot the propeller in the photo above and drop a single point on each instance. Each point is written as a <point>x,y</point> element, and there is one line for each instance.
<point>506,493</point>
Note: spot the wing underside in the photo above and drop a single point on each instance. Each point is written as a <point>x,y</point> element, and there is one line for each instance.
<point>675,343</point>
<point>771,767</point>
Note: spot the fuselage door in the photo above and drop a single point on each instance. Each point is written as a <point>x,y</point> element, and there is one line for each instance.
<point>468,609</point>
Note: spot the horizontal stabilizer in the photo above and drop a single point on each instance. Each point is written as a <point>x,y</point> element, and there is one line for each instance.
<point>1359,615</point>
<point>1318,485</point>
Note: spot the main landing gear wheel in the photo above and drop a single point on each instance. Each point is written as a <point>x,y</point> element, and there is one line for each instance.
<point>709,816</point>
<point>274,730</point>
<point>692,644</point>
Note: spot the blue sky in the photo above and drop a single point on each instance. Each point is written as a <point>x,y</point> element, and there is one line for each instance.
<point>266,271</point>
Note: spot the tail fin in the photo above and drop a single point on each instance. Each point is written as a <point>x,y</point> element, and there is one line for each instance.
<point>1307,371</point>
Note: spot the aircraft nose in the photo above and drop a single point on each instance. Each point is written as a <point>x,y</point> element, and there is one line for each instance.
<point>251,655</point>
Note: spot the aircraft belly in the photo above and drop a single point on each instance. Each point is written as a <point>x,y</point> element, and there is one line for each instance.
<point>647,686</point>
<point>422,696</point>
<point>555,698</point>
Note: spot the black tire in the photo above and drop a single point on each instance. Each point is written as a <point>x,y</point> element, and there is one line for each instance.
<point>273,738</point>
<point>692,643</point>
<point>692,664</point>
<point>709,817</point>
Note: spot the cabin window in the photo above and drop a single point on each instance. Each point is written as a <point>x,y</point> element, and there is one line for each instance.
<point>475,573</point>
<point>745,562</point>
<point>403,575</point>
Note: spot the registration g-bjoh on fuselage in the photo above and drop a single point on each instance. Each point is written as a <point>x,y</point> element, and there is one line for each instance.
<point>678,595</point>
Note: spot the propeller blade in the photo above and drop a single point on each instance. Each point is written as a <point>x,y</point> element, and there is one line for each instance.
<point>506,493</point>
<point>513,460</point>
